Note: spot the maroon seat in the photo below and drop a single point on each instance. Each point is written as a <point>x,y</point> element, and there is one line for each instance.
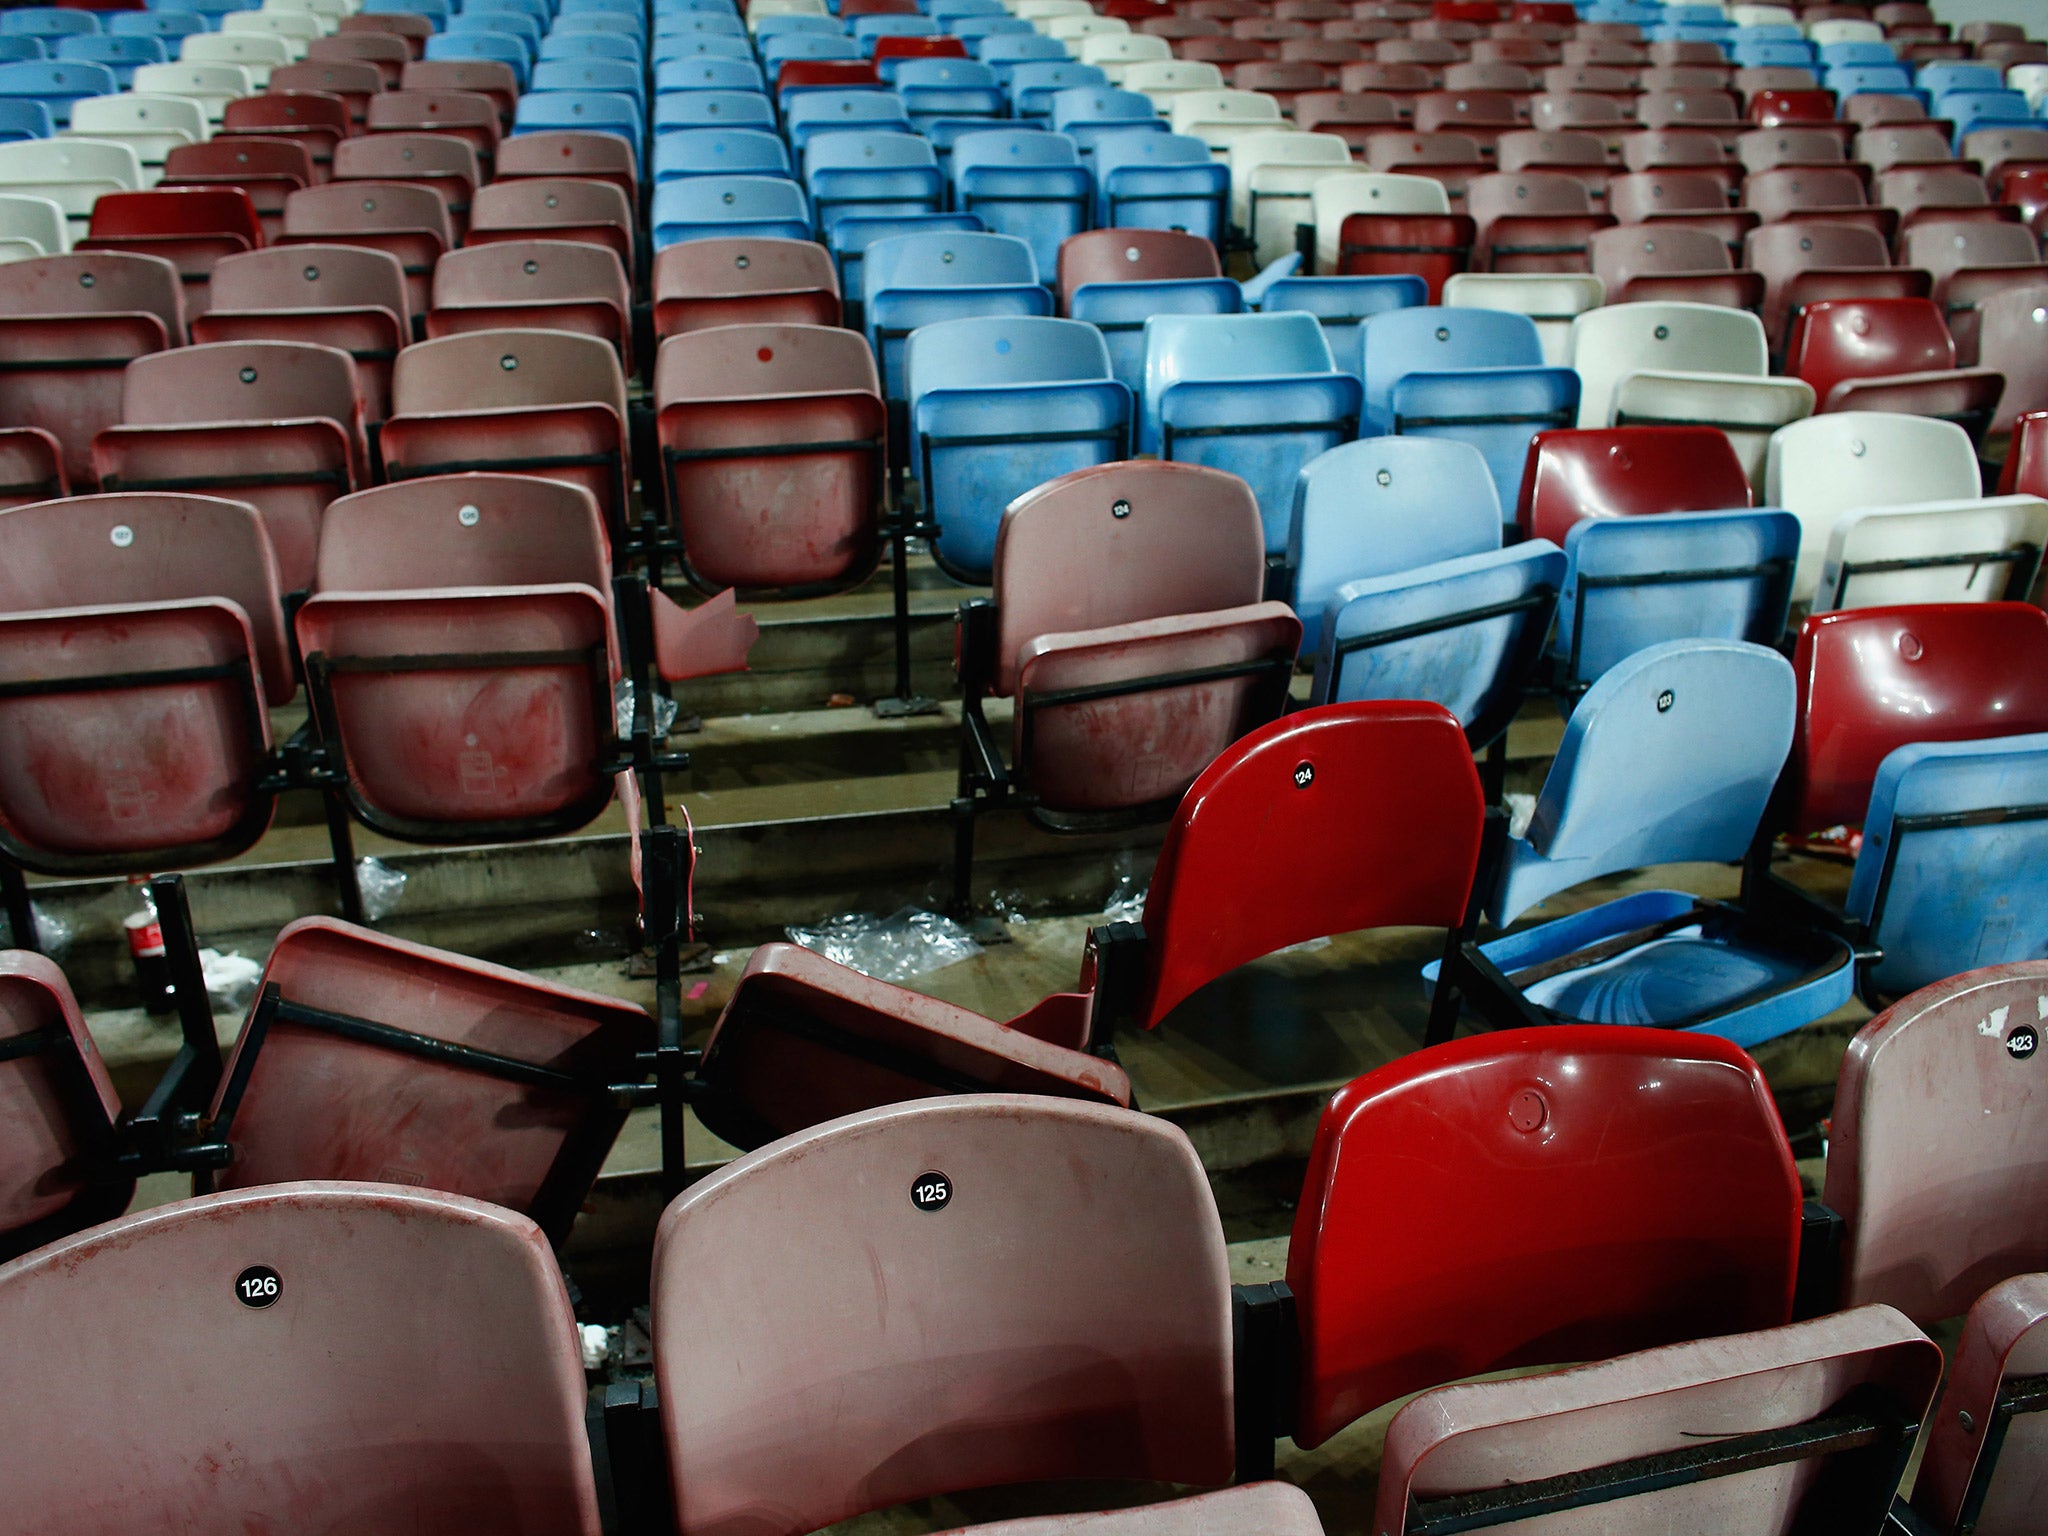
<point>1454,159</point>
<point>1805,261</point>
<point>332,295</point>
<point>1533,221</point>
<point>144,638</point>
<point>772,440</point>
<point>465,114</point>
<point>1132,256</point>
<point>1573,475</point>
<point>1998,149</point>
<point>1971,261</point>
<point>411,223</point>
<point>1615,1244</point>
<point>2026,462</point>
<point>1582,111</point>
<point>2003,1352</point>
<point>571,152</point>
<point>354,82</point>
<point>1936,192</point>
<point>1529,51</point>
<point>412,30</point>
<point>276,424</point>
<point>554,208</point>
<point>1579,155</point>
<point>492,79</point>
<point>1280,80</point>
<point>249,1309</point>
<point>1521,1444</point>
<point>387,52</point>
<point>1765,149</point>
<point>1221,51</point>
<point>57,1112</point>
<point>962,1212</point>
<point>743,280</point>
<point>68,327</point>
<point>1493,75</point>
<point>1403,82</point>
<point>313,119</point>
<point>1753,82</point>
<point>1432,246</point>
<point>1671,261</point>
<point>31,467</point>
<point>1693,150</point>
<point>269,170</point>
<point>1888,355</point>
<point>1879,109</point>
<point>1483,115</point>
<point>1832,194</point>
<point>440,162</point>
<point>311,1093</point>
<point>1692,199</point>
<point>1354,116</point>
<point>190,227</point>
<point>2014,342</point>
<point>539,402</point>
<point>1606,52</point>
<point>1331,53</point>
<point>1890,145</point>
<point>1178,28</point>
<point>559,285</point>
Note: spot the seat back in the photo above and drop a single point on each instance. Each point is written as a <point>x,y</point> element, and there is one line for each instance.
<point>1577,476</point>
<point>506,369</point>
<point>1612,342</point>
<point>1663,1403</point>
<point>1839,341</point>
<point>1669,758</point>
<point>702,283</point>
<point>1970,551</point>
<point>1268,843</point>
<point>1966,1478</point>
<point>1132,255</point>
<point>943,1205</point>
<point>57,1109</point>
<point>1616,1245</point>
<point>1438,340</point>
<point>240,1306</point>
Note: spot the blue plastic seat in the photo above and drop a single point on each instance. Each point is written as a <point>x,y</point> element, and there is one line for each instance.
<point>913,280</point>
<point>166,24</point>
<point>972,29</point>
<point>501,47</point>
<point>866,29</point>
<point>1873,79</point>
<point>56,85</point>
<point>1670,758</point>
<point>610,75</point>
<point>1004,51</point>
<point>634,12</point>
<point>540,10</point>
<point>698,23</point>
<point>514,24</point>
<point>1496,410</point>
<point>720,152</point>
<point>778,50</point>
<point>1031,185</point>
<point>576,46</point>
<point>807,115</point>
<point>946,10</point>
<point>999,405</point>
<point>1257,395</point>
<point>1033,84</point>
<point>1439,339</point>
<point>23,50</point>
<point>880,174</point>
<point>219,8</point>
<point>664,9</point>
<point>1147,180</point>
<point>1344,304</point>
<point>708,74</point>
<point>701,207</point>
<point>1771,52</point>
<point>594,111</point>
<point>1943,879</point>
<point>850,235</point>
<point>1938,77</point>
<point>436,11</point>
<point>1717,33</point>
<point>683,110</point>
<point>1634,582</point>
<point>1120,310</point>
<point>21,118</point>
<point>1085,113</point>
<point>120,54</point>
<point>1970,110</point>
<point>948,88</point>
<point>47,22</point>
<point>702,45</point>
<point>1856,54</point>
<point>794,25</point>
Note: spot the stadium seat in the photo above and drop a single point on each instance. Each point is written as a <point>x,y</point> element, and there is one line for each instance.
<point>70,172</point>
<point>720,152</point>
<point>714,207</point>
<point>1115,278</point>
<point>571,152</point>
<point>1024,183</point>
<point>1532,221</point>
<point>1551,300</point>
<point>1889,355</point>
<point>410,223</point>
<point>875,174</point>
<point>703,283</point>
<point>913,280</point>
<point>559,285</point>
<point>1639,262</point>
<point>1610,344</point>
<point>558,208</point>
<point>191,227</point>
<point>440,162</point>
<point>1964,1476</point>
<point>1149,180</point>
<point>1807,260</point>
<point>331,295</point>
<point>57,85</point>
<point>1970,261</point>
<point>1272,179</point>
<point>999,405</point>
<point>244,1304</point>
<point>1342,305</point>
<point>31,467</point>
<point>464,114</point>
<point>388,53</point>
<point>268,170</point>
<point>1978,549</point>
<point>1085,113</point>
<point>151,125</point>
<point>1257,395</point>
<point>474,71</point>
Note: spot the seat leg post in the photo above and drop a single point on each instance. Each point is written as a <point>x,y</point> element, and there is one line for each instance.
<point>903,702</point>
<point>21,912</point>
<point>342,841</point>
<point>963,856</point>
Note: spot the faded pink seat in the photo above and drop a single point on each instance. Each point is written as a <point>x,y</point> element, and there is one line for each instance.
<point>325,1097</point>
<point>333,295</point>
<point>416,1369</point>
<point>803,1039</point>
<point>556,285</point>
<point>31,467</point>
<point>278,424</point>
<point>440,162</point>
<point>1938,1165</point>
<point>141,637</point>
<point>68,327</point>
<point>546,403</point>
<point>1254,1509</point>
<point>57,1111</point>
<point>951,1347</point>
<point>1533,1436</point>
<point>1672,262</point>
<point>554,208</point>
<point>2003,1353</point>
<point>571,152</point>
<point>742,280</point>
<point>772,442</point>
<point>1972,261</point>
<point>1533,221</point>
<point>409,222</point>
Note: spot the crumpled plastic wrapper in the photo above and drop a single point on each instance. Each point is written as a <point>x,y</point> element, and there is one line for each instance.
<point>381,886</point>
<point>53,933</point>
<point>1521,810</point>
<point>905,944</point>
<point>622,710</point>
<point>230,978</point>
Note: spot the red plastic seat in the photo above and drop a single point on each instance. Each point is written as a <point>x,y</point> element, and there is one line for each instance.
<point>1668,261</point>
<point>1582,111</point>
<point>1132,256</point>
<point>1403,82</point>
<point>1971,261</point>
<point>68,327</point>
<point>269,170</point>
<point>1936,1164</point>
<point>1429,53</point>
<point>1483,115</point>
<point>331,295</point>
<point>1533,221</point>
<point>1812,194</point>
<point>190,227</point>
<point>1331,53</point>
<point>1765,149</point>
<point>1965,1479</point>
<point>1693,199</point>
<point>465,114</point>
<point>353,81</point>
<point>2025,187</point>
<point>440,162</point>
<point>1888,354</point>
<point>1524,48</point>
<point>571,152</point>
<point>558,285</point>
<point>311,118</point>
<point>554,208</point>
<point>276,424</point>
<point>320,1097</point>
<point>1547,1154</point>
<point>1755,81</point>
<point>1688,109</point>
<point>1578,155</point>
<point>1878,109</point>
<point>1514,80</point>
<point>1573,475</point>
<point>918,48</point>
<point>386,52</point>
<point>1454,159</point>
<point>1943,192</point>
<point>1224,52</point>
<point>1804,262</point>
<point>31,467</point>
<point>1280,79</point>
<point>266,1317</point>
<point>1178,28</point>
<point>1617,83</point>
<point>545,403</point>
<point>735,404</point>
<point>964,1212</point>
<point>57,1111</point>
<point>742,280</point>
<point>1433,246</point>
<point>2026,462</point>
<point>134,734</point>
<point>412,30</point>
<point>1693,150</point>
<point>411,223</point>
<point>1890,145</point>
<point>491,79</point>
<point>1354,116</point>
<point>826,74</point>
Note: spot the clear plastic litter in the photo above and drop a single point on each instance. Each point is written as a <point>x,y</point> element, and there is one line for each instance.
<point>381,886</point>
<point>1521,810</point>
<point>597,1345</point>
<point>53,933</point>
<point>230,978</point>
<point>905,944</point>
<point>622,710</point>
